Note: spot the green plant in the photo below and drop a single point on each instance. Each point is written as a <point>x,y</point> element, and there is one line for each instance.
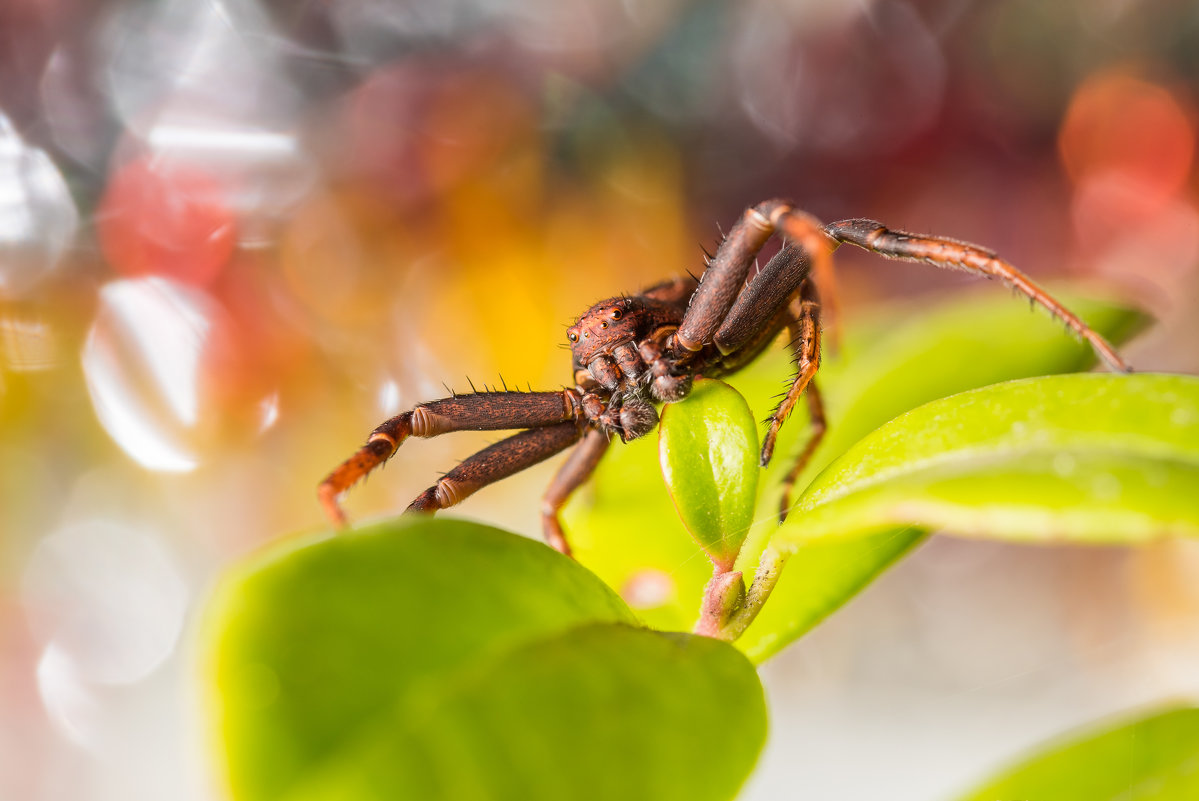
<point>439,659</point>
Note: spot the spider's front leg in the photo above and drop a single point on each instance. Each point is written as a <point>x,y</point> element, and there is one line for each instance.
<point>482,411</point>
<point>712,306</point>
<point>950,253</point>
<point>505,458</point>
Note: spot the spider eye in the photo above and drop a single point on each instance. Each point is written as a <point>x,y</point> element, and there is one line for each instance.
<point>603,324</point>
<point>617,314</point>
<point>572,336</point>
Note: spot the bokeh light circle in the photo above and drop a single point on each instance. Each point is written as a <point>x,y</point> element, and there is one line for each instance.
<point>38,218</point>
<point>153,364</point>
<point>108,597</point>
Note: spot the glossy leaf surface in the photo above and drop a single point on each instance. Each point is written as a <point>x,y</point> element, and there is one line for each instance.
<point>433,658</point>
<point>708,451</point>
<point>1091,458</point>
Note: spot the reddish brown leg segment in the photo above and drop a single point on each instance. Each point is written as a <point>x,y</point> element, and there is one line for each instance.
<point>805,230</point>
<point>724,279</point>
<point>768,293</point>
<point>950,253</point>
<point>816,428</point>
<point>379,447</point>
<point>494,463</point>
<point>806,345</point>
<point>480,411</point>
<point>577,468</point>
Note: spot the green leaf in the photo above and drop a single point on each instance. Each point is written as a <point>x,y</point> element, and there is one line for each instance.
<point>429,659</point>
<point>894,366</point>
<point>623,525</point>
<point>1089,458</point>
<point>1154,758</point>
<point>708,449</point>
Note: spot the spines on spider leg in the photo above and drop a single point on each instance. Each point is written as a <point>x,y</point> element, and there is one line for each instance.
<point>783,411</point>
<point>760,302</point>
<point>497,410</point>
<point>1036,294</point>
<point>481,411</point>
<point>723,280</point>
<point>952,253</point>
<point>805,346</point>
<point>809,233</point>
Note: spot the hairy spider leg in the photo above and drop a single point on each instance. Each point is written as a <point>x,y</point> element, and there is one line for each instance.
<point>950,253</point>
<point>805,344</point>
<point>804,229</point>
<point>816,428</point>
<point>577,468</point>
<point>760,302</point>
<point>724,279</point>
<point>479,411</point>
<point>496,462</point>
<point>721,282</point>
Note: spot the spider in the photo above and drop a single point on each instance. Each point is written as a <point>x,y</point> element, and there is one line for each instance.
<point>629,353</point>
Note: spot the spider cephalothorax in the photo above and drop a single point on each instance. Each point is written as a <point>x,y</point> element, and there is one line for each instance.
<point>618,343</point>
<point>631,352</point>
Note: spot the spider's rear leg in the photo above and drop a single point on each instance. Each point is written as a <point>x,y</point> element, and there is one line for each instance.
<point>496,462</point>
<point>950,253</point>
<point>577,468</point>
<point>480,411</point>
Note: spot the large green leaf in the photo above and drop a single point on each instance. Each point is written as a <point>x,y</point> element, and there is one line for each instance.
<point>438,659</point>
<point>1154,758</point>
<point>708,449</point>
<point>1091,458</point>
<point>625,529</point>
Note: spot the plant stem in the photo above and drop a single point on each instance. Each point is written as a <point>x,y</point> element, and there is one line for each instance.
<point>723,595</point>
<point>770,566</point>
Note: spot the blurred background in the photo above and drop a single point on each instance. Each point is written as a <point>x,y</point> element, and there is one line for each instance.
<point>237,234</point>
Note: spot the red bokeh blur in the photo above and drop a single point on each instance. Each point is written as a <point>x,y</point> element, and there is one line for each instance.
<point>167,219</point>
<point>1120,123</point>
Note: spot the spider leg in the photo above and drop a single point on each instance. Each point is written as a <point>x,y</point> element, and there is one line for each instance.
<point>574,471</point>
<point>496,462</point>
<point>769,292</point>
<point>805,344</point>
<point>816,428</point>
<point>949,253</point>
<point>725,277</point>
<point>480,411</point>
